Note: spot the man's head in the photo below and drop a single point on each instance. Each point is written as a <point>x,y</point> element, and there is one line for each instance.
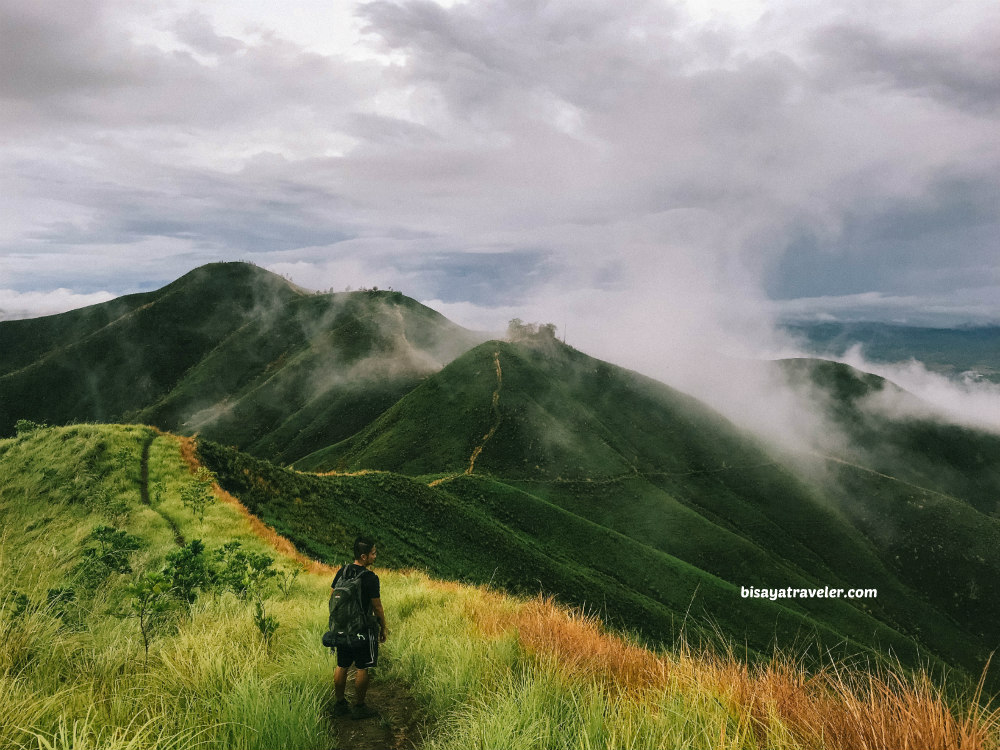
<point>364,551</point>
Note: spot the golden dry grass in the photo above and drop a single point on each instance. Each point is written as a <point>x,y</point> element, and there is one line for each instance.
<point>838,707</point>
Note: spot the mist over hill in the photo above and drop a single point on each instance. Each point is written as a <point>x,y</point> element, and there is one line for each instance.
<point>952,351</point>
<point>230,351</point>
<point>530,461</point>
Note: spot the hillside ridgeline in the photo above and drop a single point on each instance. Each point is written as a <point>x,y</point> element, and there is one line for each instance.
<point>231,351</point>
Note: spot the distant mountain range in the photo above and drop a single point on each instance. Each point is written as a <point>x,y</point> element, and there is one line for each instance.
<point>532,466</point>
<point>952,351</point>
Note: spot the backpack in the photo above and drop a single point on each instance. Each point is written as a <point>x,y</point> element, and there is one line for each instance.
<point>349,620</point>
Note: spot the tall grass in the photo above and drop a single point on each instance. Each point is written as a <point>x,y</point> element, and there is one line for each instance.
<point>571,684</point>
<point>74,675</point>
<point>490,670</point>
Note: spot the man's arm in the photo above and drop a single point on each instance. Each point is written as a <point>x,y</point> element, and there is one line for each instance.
<point>380,614</point>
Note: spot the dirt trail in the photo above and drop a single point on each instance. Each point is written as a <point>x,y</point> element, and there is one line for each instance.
<point>144,489</point>
<point>144,469</point>
<point>399,726</point>
<point>640,474</point>
<point>495,408</point>
<point>865,469</point>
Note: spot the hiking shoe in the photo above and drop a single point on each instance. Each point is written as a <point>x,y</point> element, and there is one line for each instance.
<point>361,711</point>
<point>341,708</point>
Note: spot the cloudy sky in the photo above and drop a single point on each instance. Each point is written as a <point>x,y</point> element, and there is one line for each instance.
<point>686,170</point>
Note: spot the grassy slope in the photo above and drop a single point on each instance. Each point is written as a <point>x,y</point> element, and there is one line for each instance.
<point>480,530</point>
<point>936,527</point>
<point>490,670</point>
<point>74,673</point>
<point>229,350</point>
<point>634,456</point>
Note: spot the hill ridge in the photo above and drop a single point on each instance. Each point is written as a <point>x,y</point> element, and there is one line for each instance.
<point>262,363</point>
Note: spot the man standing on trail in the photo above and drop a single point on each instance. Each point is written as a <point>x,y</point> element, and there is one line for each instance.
<point>359,644</point>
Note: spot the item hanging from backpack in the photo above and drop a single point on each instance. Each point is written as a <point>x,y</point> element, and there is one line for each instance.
<point>349,620</point>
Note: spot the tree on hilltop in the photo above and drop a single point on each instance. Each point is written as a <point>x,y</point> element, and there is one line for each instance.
<point>518,330</point>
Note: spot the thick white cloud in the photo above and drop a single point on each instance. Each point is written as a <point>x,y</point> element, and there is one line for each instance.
<point>14,305</point>
<point>617,166</point>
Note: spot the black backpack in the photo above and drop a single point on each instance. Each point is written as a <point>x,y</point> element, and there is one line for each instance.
<point>349,619</point>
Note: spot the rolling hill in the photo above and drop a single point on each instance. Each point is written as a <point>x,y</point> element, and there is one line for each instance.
<point>130,619</point>
<point>231,351</point>
<point>552,429</point>
<point>535,467</point>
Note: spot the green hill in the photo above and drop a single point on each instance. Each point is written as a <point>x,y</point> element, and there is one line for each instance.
<point>480,530</point>
<point>132,617</point>
<point>533,466</point>
<point>558,414</point>
<point>923,490</point>
<point>231,351</point>
<point>553,429</point>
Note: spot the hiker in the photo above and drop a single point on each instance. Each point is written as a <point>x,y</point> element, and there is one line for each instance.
<point>359,645</point>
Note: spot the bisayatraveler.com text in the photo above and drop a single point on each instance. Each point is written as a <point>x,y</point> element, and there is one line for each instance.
<point>793,593</point>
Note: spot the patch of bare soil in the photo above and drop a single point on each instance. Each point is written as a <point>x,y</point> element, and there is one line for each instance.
<point>400,724</point>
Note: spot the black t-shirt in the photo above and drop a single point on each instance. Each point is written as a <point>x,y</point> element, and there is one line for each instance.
<point>369,581</point>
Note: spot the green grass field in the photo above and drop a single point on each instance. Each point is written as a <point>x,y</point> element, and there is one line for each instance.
<point>487,669</point>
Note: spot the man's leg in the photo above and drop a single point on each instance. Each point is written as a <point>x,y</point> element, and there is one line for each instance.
<point>360,686</point>
<point>339,683</point>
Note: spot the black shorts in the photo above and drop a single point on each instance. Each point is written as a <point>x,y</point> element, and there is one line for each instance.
<point>363,653</point>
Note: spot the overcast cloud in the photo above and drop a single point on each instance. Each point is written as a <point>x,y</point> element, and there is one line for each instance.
<point>658,178</point>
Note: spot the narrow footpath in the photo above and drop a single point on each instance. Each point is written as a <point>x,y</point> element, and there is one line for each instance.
<point>399,725</point>
<point>495,409</point>
<point>144,489</point>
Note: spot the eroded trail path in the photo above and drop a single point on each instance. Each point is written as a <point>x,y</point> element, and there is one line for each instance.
<point>495,409</point>
<point>879,474</point>
<point>144,489</point>
<point>398,727</point>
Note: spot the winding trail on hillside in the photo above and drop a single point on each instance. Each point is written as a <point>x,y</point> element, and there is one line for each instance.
<point>144,469</point>
<point>495,409</point>
<point>865,469</point>
<point>144,489</point>
<point>640,474</point>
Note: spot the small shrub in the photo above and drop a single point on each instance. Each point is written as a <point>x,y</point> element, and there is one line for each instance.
<point>156,493</point>
<point>198,495</point>
<point>188,571</point>
<point>265,623</point>
<point>115,547</point>
<point>247,574</point>
<point>243,572</point>
<point>285,580</point>
<point>110,556</point>
<point>25,427</point>
<point>149,603</point>
<point>111,505</point>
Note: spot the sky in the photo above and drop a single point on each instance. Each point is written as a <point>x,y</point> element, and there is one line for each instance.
<point>650,176</point>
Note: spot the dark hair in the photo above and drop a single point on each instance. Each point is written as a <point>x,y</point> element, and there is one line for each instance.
<point>362,546</point>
